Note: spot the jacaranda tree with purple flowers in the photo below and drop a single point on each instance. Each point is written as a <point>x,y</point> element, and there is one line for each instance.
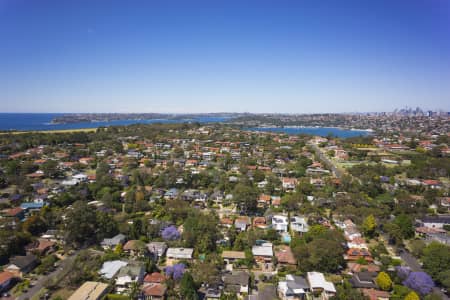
<point>176,271</point>
<point>403,272</point>
<point>421,282</point>
<point>170,233</point>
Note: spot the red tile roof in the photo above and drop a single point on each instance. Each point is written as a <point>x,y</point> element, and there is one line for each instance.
<point>154,278</point>
<point>12,212</point>
<point>154,289</point>
<point>5,276</point>
<point>284,255</point>
<point>375,294</point>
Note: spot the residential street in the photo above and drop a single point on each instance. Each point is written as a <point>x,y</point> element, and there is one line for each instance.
<point>43,279</point>
<point>326,160</point>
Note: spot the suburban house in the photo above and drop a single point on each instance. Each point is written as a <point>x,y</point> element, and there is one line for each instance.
<point>6,280</point>
<point>90,290</point>
<point>127,275</point>
<point>320,288</point>
<point>213,292</point>
<point>110,268</point>
<point>237,283</point>
<point>175,254</point>
<point>260,222</point>
<point>230,257</point>
<point>354,254</point>
<point>154,277</point>
<point>154,291</point>
<point>354,267</point>
<point>40,247</point>
<point>135,247</point>
<point>111,243</point>
<point>293,288</point>
<point>299,224</point>
<point>289,183</point>
<point>263,255</point>
<point>374,294</point>
<point>13,213</point>
<point>157,249</point>
<point>363,280</point>
<point>241,223</point>
<point>20,265</point>
<point>436,221</point>
<point>280,223</point>
<point>264,200</point>
<point>285,256</point>
<point>429,234</point>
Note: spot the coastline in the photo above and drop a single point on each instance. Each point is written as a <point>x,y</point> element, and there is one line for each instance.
<point>50,131</point>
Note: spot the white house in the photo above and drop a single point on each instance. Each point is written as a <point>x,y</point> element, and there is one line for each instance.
<point>179,253</point>
<point>320,286</point>
<point>280,223</point>
<point>436,222</point>
<point>127,275</point>
<point>289,183</point>
<point>110,268</point>
<point>299,224</point>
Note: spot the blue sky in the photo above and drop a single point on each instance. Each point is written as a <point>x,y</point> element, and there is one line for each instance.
<point>211,56</point>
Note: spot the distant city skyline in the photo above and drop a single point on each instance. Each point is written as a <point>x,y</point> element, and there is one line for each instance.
<point>61,56</point>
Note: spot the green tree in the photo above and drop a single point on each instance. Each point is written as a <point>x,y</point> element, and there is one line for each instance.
<point>432,297</point>
<point>384,281</point>
<point>50,168</point>
<point>369,226</point>
<point>345,291</point>
<point>323,253</point>
<point>134,290</point>
<point>119,249</point>
<point>106,225</point>
<point>417,247</point>
<point>245,196</point>
<point>436,261</point>
<point>394,232</point>
<point>201,231</point>
<point>412,296</point>
<point>34,225</point>
<point>404,222</point>
<point>81,227</point>
<point>444,278</point>
<point>188,290</point>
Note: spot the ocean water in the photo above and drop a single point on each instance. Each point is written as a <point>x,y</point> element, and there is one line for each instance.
<point>319,131</point>
<point>39,121</point>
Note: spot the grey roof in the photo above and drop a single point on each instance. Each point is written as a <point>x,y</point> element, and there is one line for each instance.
<point>363,280</point>
<point>120,238</point>
<point>157,247</point>
<point>298,283</point>
<point>238,278</point>
<point>23,261</point>
<point>445,219</point>
<point>110,268</point>
<point>133,270</point>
